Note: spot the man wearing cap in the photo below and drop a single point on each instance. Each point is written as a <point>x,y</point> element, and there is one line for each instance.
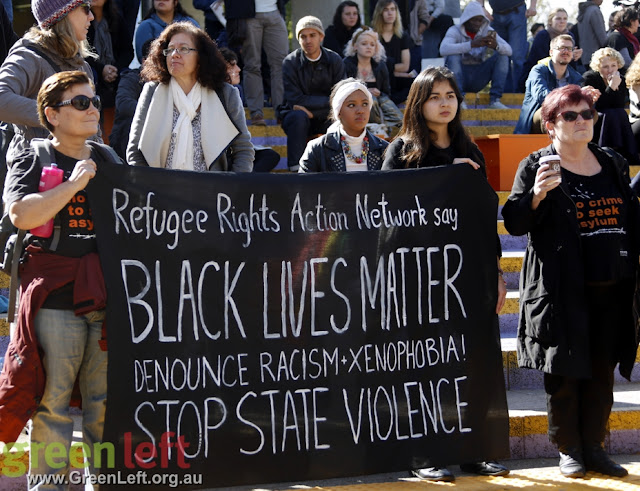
<point>308,74</point>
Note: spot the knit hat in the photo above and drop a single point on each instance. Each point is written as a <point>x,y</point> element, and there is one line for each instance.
<point>50,12</point>
<point>309,22</point>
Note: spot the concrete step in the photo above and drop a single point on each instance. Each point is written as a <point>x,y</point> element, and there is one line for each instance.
<point>528,423</point>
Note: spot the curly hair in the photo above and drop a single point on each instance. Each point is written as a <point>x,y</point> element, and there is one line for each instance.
<point>378,22</point>
<point>560,98</point>
<point>350,49</point>
<point>415,130</point>
<point>212,68</point>
<point>601,54</point>
<point>632,76</point>
<point>625,17</point>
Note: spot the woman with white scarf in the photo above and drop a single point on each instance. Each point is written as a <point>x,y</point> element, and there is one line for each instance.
<point>348,146</point>
<point>185,96</point>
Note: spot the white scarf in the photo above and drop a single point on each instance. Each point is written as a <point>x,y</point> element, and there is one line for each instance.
<point>214,120</point>
<point>187,106</point>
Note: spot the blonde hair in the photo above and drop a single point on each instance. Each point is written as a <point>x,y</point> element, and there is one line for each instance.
<point>60,39</point>
<point>378,22</point>
<point>553,13</point>
<point>601,54</point>
<point>632,76</point>
<point>350,49</point>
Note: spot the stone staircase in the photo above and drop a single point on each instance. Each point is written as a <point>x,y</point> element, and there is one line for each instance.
<point>527,411</point>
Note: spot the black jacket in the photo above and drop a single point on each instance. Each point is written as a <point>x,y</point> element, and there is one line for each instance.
<point>309,83</point>
<point>553,331</point>
<point>380,71</point>
<point>609,98</point>
<point>324,154</point>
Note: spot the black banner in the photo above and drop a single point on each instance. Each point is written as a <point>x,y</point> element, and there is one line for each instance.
<point>269,328</point>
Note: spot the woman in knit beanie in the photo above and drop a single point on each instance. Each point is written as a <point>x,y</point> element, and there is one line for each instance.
<point>58,43</point>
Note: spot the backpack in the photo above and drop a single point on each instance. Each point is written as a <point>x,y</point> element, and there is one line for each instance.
<point>12,238</point>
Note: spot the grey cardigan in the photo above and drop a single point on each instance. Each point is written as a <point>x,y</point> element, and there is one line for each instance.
<point>240,152</point>
<point>21,77</point>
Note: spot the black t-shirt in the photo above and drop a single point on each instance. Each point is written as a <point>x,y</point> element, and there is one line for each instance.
<point>602,218</point>
<point>393,50</point>
<point>77,234</point>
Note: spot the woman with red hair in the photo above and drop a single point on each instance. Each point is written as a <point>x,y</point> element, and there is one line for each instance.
<point>578,277</point>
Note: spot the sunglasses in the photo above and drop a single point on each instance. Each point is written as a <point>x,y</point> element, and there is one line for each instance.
<point>571,116</point>
<point>86,7</point>
<point>82,102</point>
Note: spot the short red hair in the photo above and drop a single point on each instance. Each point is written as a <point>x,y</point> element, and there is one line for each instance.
<point>558,99</point>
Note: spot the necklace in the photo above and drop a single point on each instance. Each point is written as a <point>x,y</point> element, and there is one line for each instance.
<point>349,154</point>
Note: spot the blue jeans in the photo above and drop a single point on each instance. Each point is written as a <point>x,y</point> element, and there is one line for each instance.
<point>71,350</point>
<point>512,27</point>
<point>474,78</point>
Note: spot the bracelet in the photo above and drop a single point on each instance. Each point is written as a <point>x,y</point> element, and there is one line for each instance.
<point>500,271</point>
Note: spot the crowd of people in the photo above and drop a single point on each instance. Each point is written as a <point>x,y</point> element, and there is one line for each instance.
<point>184,109</point>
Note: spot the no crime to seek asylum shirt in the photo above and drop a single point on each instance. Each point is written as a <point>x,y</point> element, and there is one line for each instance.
<point>77,234</point>
<point>602,218</point>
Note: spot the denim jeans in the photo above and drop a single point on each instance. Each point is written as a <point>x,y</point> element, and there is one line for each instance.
<point>512,27</point>
<point>71,350</point>
<point>474,78</point>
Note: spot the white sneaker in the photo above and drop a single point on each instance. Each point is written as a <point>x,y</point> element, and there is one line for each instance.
<point>463,105</point>
<point>497,105</point>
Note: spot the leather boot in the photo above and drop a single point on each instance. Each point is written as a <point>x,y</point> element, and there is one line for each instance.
<point>597,460</point>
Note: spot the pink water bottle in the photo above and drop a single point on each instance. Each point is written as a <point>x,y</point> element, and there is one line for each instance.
<point>49,179</point>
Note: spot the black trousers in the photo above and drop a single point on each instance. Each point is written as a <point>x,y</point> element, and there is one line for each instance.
<point>579,409</point>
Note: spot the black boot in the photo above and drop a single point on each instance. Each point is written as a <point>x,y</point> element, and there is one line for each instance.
<point>597,460</point>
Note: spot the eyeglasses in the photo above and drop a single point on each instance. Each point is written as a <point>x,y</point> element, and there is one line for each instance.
<point>571,116</point>
<point>82,102</point>
<point>183,50</point>
<point>86,7</point>
<point>565,49</point>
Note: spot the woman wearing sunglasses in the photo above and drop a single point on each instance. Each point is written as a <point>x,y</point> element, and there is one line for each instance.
<point>188,117</point>
<point>578,277</point>
<point>57,43</point>
<point>62,297</point>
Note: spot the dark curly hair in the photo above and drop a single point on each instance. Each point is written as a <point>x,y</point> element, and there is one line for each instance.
<point>212,68</point>
<point>625,17</point>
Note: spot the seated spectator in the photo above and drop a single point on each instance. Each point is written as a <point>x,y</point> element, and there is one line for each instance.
<point>365,61</point>
<point>466,51</point>
<point>633,83</point>
<point>308,74</point>
<point>556,25</point>
<point>613,128</point>
<point>591,31</point>
<point>188,117</point>
<point>427,18</point>
<point>386,21</point>
<point>266,158</point>
<point>535,29</point>
<point>129,90</point>
<point>623,38</point>
<point>345,22</point>
<point>161,14</point>
<point>550,73</point>
<point>348,146</point>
